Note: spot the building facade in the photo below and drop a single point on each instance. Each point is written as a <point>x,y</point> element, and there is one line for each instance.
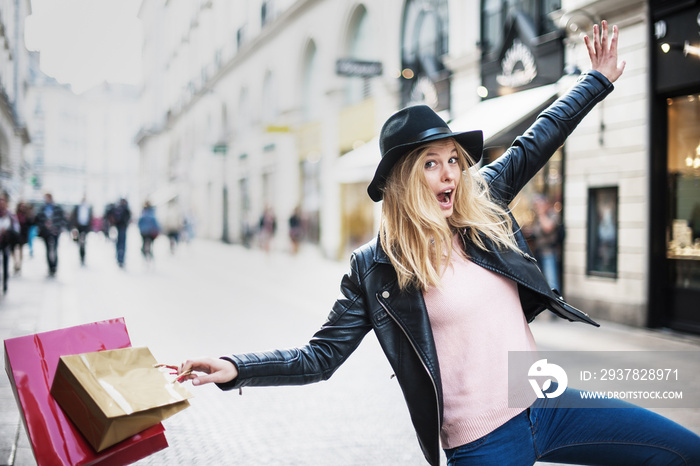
<point>606,178</point>
<point>14,67</point>
<point>279,104</point>
<point>82,145</point>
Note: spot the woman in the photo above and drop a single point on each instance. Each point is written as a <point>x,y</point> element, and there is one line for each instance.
<point>448,288</point>
<point>9,238</point>
<point>25,217</point>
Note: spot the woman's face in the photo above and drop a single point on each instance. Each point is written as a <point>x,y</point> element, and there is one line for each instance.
<point>443,173</point>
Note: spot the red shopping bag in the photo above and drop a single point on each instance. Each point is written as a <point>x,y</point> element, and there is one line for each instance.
<point>31,362</point>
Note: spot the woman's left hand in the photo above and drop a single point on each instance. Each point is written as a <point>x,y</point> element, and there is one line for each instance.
<point>603,51</point>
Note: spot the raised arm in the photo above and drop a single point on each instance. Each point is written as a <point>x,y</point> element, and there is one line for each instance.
<point>529,152</point>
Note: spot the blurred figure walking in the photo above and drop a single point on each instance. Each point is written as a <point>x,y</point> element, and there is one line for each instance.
<point>81,223</point>
<point>9,238</point>
<point>26,220</point>
<point>546,232</point>
<point>107,221</point>
<point>149,229</point>
<point>296,229</point>
<point>50,220</point>
<point>173,224</point>
<point>120,217</point>
<point>268,227</point>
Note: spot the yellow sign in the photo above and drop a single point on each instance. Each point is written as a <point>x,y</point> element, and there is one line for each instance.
<point>277,129</point>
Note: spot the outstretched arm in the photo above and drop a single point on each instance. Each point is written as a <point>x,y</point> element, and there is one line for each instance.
<point>602,50</point>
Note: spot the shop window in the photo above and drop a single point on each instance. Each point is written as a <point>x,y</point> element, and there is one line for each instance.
<point>425,78</point>
<point>357,216</point>
<point>683,223</point>
<point>602,236</point>
<point>545,189</point>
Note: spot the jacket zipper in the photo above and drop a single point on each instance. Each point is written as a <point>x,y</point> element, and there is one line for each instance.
<point>425,366</point>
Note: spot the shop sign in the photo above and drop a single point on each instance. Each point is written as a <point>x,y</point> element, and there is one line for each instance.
<point>358,68</point>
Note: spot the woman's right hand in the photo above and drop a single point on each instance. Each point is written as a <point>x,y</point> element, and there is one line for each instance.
<point>603,51</point>
<point>208,370</point>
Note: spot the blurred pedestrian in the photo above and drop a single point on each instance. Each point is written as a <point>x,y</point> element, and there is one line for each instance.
<point>267,228</point>
<point>248,230</point>
<point>51,221</point>
<point>188,228</point>
<point>81,224</point>
<point>33,233</point>
<point>107,221</point>
<point>9,238</point>
<point>546,230</point>
<point>149,229</point>
<point>120,217</point>
<point>449,287</point>
<point>173,224</point>
<point>25,217</point>
<point>296,229</point>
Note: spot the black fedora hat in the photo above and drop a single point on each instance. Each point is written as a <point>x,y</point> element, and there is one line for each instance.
<point>410,128</point>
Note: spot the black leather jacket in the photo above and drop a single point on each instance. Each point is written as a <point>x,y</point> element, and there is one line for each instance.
<point>372,300</point>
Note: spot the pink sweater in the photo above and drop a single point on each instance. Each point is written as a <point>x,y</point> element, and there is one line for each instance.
<point>476,319</point>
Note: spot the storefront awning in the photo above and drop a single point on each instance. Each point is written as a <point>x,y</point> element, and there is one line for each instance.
<point>494,117</point>
<point>163,195</point>
<point>499,115</point>
<point>358,165</point>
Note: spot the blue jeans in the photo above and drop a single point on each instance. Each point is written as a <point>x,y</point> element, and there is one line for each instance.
<point>52,252</point>
<point>550,269</point>
<point>121,244</point>
<point>616,433</point>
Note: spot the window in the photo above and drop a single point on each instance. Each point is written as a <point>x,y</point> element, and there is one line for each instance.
<point>361,47</point>
<point>683,222</point>
<point>311,89</point>
<point>602,232</point>
<point>424,43</point>
<point>266,12</point>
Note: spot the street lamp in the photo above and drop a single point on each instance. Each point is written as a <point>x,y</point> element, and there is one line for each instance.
<point>221,148</point>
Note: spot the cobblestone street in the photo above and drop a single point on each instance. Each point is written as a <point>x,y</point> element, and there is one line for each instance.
<point>211,299</point>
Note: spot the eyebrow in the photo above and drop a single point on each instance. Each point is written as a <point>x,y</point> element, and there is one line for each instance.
<point>454,150</point>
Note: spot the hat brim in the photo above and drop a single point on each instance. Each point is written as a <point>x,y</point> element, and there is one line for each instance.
<point>471,141</point>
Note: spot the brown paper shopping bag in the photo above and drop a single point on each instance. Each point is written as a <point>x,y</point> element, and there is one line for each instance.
<point>114,394</point>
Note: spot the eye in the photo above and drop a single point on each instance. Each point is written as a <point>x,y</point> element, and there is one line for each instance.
<point>453,159</point>
<point>430,164</point>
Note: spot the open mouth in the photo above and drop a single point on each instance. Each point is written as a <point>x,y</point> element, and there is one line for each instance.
<point>445,197</point>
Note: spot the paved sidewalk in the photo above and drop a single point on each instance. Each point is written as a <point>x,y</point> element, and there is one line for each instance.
<point>21,310</point>
<point>36,303</point>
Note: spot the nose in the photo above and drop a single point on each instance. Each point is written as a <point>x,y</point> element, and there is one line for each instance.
<point>448,173</point>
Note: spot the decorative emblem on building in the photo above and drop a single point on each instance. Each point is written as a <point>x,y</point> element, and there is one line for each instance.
<point>517,67</point>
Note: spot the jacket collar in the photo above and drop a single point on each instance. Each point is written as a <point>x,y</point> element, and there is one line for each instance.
<point>379,253</point>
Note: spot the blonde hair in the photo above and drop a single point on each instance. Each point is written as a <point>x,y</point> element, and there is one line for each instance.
<point>414,231</point>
